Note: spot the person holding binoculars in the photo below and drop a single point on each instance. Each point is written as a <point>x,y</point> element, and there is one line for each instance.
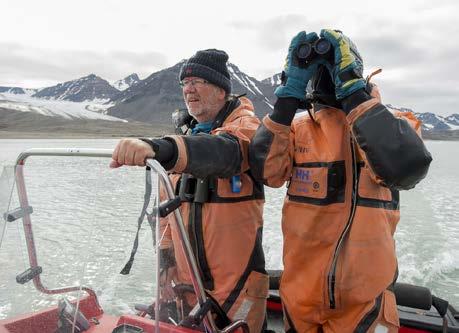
<point>344,161</point>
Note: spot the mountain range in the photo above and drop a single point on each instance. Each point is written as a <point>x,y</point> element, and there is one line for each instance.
<point>153,99</point>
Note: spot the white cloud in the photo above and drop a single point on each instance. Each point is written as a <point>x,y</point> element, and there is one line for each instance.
<point>20,64</point>
<point>50,41</point>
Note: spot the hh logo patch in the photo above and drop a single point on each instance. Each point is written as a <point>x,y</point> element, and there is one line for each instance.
<point>303,175</point>
<point>311,182</point>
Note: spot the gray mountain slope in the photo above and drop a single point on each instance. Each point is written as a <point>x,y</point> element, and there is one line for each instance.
<point>154,98</point>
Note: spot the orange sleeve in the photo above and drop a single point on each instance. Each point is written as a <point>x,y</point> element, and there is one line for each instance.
<point>272,153</point>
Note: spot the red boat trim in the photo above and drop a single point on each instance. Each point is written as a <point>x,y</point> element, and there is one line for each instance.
<point>274,306</point>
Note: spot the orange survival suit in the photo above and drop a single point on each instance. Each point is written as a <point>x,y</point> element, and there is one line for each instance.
<point>339,216</point>
<point>224,226</point>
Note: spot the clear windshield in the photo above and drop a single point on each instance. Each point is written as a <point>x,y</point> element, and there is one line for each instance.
<point>82,247</point>
<point>84,222</point>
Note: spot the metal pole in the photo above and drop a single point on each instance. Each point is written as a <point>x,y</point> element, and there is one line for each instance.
<point>89,152</point>
<point>189,257</point>
<point>23,200</point>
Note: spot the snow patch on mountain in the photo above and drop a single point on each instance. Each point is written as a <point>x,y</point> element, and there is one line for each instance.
<point>431,121</point>
<point>453,119</point>
<point>18,90</point>
<point>274,80</point>
<point>250,84</point>
<point>268,103</point>
<point>245,80</point>
<point>237,75</point>
<point>127,82</point>
<point>57,108</point>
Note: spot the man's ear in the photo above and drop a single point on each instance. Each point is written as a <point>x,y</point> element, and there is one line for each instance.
<point>221,93</point>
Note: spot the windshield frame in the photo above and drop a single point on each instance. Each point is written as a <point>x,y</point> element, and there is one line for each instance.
<point>164,180</point>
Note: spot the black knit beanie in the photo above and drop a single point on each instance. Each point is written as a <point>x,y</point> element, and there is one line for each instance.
<point>211,66</point>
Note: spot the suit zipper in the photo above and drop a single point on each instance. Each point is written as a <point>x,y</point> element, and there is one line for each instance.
<point>339,245</point>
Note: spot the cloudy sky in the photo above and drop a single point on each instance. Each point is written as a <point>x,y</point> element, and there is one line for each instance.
<point>416,43</point>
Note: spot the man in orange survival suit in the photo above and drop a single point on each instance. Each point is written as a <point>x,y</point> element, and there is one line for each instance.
<point>225,228</point>
<point>345,161</point>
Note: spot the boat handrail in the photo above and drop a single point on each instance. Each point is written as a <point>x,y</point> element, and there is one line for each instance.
<point>95,152</point>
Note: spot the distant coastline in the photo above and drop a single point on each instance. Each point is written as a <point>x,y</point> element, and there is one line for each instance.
<point>452,135</point>
<point>29,125</point>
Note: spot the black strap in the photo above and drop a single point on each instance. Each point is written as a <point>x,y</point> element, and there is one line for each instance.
<point>256,263</point>
<point>207,278</point>
<point>150,217</point>
<point>195,232</point>
<point>220,316</point>
<point>370,317</point>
